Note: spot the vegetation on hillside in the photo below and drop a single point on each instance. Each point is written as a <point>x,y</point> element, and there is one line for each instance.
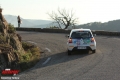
<point>31,56</point>
<point>19,55</point>
<point>11,28</point>
<point>109,26</point>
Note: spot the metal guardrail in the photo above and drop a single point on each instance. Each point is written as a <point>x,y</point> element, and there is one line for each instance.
<point>107,33</point>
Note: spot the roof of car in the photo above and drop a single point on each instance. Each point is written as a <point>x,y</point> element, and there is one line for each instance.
<point>81,30</point>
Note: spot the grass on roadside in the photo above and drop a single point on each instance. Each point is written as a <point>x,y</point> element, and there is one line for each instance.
<point>31,56</point>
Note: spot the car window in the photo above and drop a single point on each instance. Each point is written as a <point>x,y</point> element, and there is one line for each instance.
<point>81,34</point>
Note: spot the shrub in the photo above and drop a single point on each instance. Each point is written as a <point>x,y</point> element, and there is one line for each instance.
<point>11,28</point>
<point>26,57</point>
<point>26,45</point>
<point>34,51</point>
<point>2,38</point>
<point>31,56</point>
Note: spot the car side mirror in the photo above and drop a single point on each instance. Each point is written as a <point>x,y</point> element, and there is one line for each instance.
<point>68,36</point>
<point>94,34</point>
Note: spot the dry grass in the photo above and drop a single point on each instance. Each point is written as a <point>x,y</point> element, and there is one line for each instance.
<point>31,57</point>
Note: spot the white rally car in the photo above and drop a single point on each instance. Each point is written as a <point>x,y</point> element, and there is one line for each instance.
<point>81,39</point>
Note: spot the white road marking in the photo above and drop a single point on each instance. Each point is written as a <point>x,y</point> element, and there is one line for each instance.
<point>32,42</point>
<point>48,58</point>
<point>117,38</point>
<point>47,61</point>
<point>48,49</point>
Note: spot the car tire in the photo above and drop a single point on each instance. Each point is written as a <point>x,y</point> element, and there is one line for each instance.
<point>69,52</point>
<point>93,51</point>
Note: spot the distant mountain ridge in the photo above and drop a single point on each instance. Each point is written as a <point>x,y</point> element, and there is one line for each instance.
<point>109,26</point>
<point>25,22</point>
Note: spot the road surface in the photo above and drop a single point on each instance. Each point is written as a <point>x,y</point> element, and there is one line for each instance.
<point>55,64</point>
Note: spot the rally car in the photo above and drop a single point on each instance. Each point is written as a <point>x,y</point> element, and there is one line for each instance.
<point>81,39</point>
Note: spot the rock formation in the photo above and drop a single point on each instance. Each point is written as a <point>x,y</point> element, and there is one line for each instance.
<point>10,45</point>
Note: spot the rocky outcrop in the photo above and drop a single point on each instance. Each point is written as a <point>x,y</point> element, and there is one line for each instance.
<point>10,45</point>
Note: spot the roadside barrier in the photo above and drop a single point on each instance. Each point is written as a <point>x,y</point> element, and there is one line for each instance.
<point>106,33</point>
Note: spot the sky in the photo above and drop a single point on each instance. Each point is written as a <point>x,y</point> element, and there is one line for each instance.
<point>85,10</point>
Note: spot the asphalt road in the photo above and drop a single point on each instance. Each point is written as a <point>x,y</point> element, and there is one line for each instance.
<point>55,64</point>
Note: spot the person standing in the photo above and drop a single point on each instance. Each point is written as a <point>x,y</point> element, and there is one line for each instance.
<point>19,21</point>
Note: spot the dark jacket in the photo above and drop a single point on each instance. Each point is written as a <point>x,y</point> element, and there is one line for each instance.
<point>19,20</point>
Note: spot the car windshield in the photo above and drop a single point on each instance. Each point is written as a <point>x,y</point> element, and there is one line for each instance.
<point>81,34</point>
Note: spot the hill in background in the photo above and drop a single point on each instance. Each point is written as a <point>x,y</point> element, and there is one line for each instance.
<point>26,22</point>
<point>109,26</point>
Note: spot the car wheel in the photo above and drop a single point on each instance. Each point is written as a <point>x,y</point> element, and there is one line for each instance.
<point>69,52</point>
<point>93,51</point>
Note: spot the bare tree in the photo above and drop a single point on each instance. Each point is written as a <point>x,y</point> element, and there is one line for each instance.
<point>63,17</point>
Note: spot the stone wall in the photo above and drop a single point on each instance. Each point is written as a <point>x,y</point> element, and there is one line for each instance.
<point>107,33</point>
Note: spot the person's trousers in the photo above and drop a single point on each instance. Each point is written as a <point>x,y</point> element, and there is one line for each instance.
<point>18,25</point>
